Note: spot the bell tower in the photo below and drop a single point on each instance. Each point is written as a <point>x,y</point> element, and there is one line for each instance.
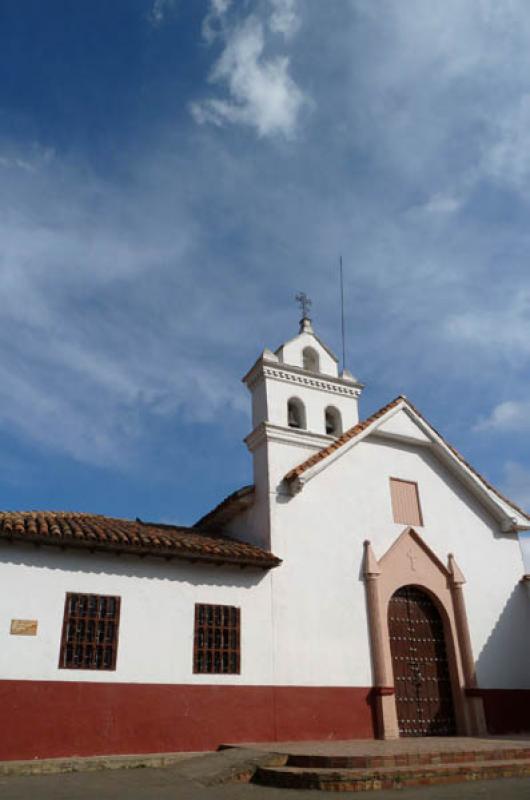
<point>300,404</point>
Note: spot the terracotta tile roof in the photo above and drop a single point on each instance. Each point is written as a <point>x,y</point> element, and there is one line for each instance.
<point>351,433</point>
<point>95,532</point>
<point>227,509</point>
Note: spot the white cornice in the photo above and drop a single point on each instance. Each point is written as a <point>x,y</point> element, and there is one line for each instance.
<point>295,375</point>
<point>266,432</point>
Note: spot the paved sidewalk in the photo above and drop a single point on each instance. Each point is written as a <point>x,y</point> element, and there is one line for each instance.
<point>168,784</point>
<point>205,776</point>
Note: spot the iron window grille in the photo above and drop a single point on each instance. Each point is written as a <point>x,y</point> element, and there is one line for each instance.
<point>90,632</point>
<point>216,647</point>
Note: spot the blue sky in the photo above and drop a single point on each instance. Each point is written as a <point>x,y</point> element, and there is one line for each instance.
<point>173,172</point>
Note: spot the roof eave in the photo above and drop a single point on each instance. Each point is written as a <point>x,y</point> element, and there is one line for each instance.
<point>157,552</point>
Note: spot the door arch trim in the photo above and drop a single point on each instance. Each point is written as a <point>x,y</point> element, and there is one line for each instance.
<point>410,562</point>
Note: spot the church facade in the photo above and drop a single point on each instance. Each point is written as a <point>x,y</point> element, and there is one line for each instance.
<point>368,583</point>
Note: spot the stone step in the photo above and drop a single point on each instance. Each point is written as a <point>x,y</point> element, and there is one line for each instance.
<point>362,780</point>
<point>407,758</point>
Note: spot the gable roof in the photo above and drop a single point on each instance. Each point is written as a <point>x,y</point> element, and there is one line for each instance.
<point>312,465</point>
<point>94,532</point>
<point>228,508</point>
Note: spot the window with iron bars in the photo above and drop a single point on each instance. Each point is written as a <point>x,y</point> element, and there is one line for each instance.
<point>90,632</point>
<point>216,646</point>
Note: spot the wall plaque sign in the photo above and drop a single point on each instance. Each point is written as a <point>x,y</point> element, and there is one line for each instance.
<point>24,627</point>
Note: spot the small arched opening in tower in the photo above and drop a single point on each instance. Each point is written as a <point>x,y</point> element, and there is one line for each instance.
<point>333,421</point>
<point>310,360</point>
<point>296,413</point>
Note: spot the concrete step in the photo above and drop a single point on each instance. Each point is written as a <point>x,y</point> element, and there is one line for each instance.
<point>407,758</point>
<point>389,777</point>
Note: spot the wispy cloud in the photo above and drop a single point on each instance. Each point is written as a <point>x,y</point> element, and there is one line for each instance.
<point>440,203</point>
<point>262,94</point>
<point>500,331</point>
<point>159,10</point>
<point>510,415</point>
<point>220,7</point>
<point>16,163</point>
<point>285,17</point>
<point>508,156</point>
<point>95,332</point>
<point>213,22</point>
<point>33,158</point>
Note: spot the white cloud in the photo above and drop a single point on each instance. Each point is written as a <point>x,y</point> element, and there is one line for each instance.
<point>262,94</point>
<point>510,415</point>
<point>444,87</point>
<point>501,330</point>
<point>212,25</point>
<point>159,10</point>
<point>284,18</point>
<point>220,7</point>
<point>32,160</point>
<point>508,157</point>
<point>442,203</point>
<point>16,163</point>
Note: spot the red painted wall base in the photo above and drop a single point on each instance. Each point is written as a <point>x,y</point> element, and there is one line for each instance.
<point>50,719</point>
<point>47,719</point>
<point>507,710</point>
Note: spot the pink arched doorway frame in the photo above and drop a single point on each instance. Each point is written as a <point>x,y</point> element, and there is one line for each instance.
<point>410,562</point>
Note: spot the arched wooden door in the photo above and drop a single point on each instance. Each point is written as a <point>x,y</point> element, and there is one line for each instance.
<point>422,682</point>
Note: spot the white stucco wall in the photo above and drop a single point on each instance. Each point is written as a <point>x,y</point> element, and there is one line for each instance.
<point>157,614</point>
<point>320,622</point>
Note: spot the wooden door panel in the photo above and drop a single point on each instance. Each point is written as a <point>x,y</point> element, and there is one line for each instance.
<point>421,671</point>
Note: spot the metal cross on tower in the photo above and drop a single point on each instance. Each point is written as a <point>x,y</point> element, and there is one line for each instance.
<point>305,304</point>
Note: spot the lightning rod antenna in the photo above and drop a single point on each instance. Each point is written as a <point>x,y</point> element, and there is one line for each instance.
<point>342,314</point>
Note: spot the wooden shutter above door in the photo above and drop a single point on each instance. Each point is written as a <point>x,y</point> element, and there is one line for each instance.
<point>405,502</point>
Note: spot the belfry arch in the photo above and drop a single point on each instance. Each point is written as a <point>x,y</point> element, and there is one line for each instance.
<point>410,571</point>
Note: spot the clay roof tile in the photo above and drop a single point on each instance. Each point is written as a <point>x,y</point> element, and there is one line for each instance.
<point>97,532</point>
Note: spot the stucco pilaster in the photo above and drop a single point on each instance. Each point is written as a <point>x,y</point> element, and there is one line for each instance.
<point>385,709</point>
<point>475,705</point>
